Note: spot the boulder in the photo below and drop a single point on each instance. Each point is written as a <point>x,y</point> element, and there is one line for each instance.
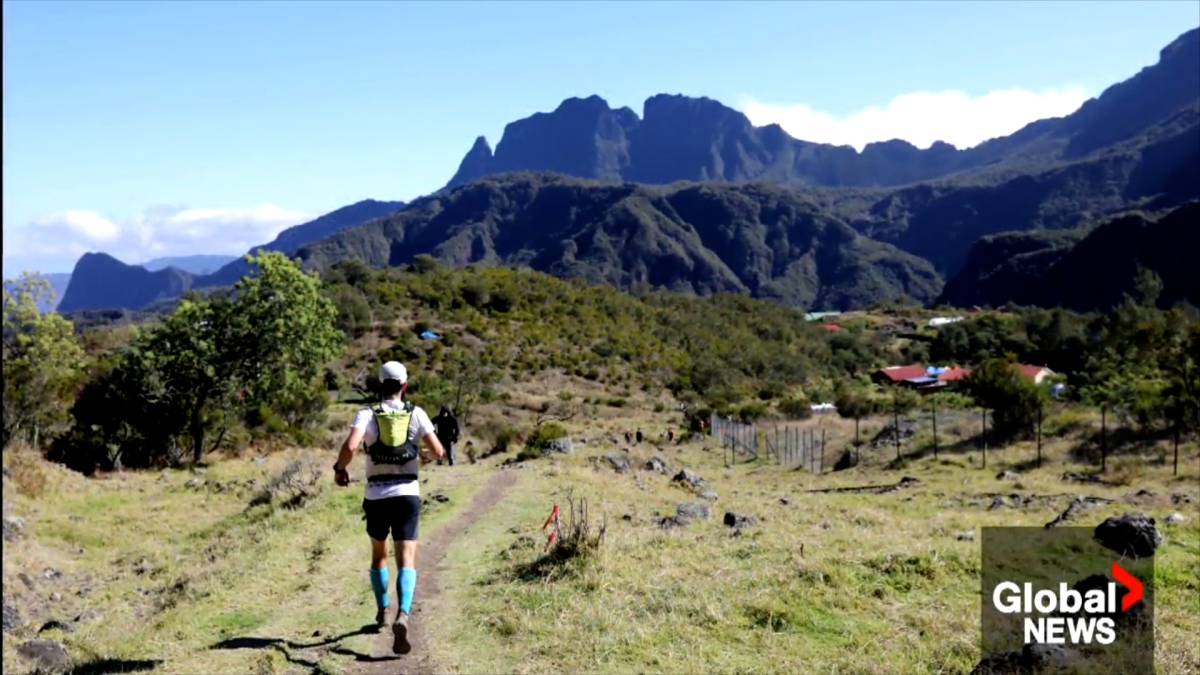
<point>709,495</point>
<point>560,445</point>
<point>849,459</point>
<point>55,624</point>
<point>12,618</point>
<point>13,525</point>
<point>619,463</point>
<point>965,535</point>
<point>738,521</point>
<point>49,655</point>
<point>689,479</point>
<point>1008,475</point>
<point>1132,534</point>
<point>1175,518</point>
<point>692,511</point>
<point>656,464</point>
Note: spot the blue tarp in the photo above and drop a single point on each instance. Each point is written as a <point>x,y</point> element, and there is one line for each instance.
<point>934,371</point>
<point>430,335</point>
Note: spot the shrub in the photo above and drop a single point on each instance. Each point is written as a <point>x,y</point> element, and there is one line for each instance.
<point>292,487</point>
<point>543,435</point>
<point>25,473</point>
<point>796,408</point>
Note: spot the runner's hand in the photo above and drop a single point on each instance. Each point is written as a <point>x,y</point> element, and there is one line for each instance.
<point>341,477</point>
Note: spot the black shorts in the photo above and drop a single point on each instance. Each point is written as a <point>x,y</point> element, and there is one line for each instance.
<point>399,515</point>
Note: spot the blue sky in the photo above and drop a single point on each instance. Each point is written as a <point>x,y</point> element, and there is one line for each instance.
<point>165,129</point>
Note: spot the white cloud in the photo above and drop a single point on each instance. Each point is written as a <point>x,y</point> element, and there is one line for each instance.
<point>57,240</point>
<point>921,117</point>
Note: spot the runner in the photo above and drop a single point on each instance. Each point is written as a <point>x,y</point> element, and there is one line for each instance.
<point>392,432</point>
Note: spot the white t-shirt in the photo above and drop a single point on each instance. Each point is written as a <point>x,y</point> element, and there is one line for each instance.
<point>418,429</point>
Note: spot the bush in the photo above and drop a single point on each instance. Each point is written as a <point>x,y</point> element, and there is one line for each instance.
<point>25,472</point>
<point>796,408</point>
<point>543,435</point>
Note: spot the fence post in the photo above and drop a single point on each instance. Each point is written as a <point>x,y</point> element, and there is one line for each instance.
<point>896,428</point>
<point>1175,469</point>
<point>1039,436</point>
<point>822,450</point>
<point>983,434</point>
<point>933,409</point>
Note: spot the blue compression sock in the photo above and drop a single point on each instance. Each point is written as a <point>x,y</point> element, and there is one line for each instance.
<point>379,584</point>
<point>408,585</point>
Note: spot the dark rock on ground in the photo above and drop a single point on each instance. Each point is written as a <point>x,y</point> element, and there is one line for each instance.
<point>55,624</point>
<point>560,445</point>
<point>784,501</point>
<point>1077,506</point>
<point>86,616</point>
<point>50,656</point>
<point>656,464</point>
<point>1175,519</point>
<point>966,535</point>
<point>689,478</point>
<point>887,435</point>
<point>849,459</point>
<point>12,618</point>
<point>13,526</point>
<point>998,502</point>
<point>1132,534</point>
<point>1031,659</point>
<point>1072,477</point>
<point>26,579</point>
<point>1008,475</point>
<point>685,514</point>
<point>737,520</point>
<point>1180,498</point>
<point>694,510</point>
<point>51,573</point>
<point>618,463</point>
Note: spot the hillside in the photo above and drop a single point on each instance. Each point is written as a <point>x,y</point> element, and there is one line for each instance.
<point>1089,272</point>
<point>100,281</point>
<point>192,264</point>
<point>755,239</point>
<point>294,237</point>
<point>699,139</point>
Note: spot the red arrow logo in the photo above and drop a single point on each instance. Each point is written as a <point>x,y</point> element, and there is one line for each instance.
<point>1136,590</point>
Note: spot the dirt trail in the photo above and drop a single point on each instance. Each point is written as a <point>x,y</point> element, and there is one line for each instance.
<point>429,561</point>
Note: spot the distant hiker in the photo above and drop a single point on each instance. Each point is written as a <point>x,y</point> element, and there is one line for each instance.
<point>446,425</point>
<point>670,435</point>
<point>639,435</point>
<point>628,437</point>
<point>392,432</point>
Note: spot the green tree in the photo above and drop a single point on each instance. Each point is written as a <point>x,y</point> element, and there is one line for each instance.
<point>43,361</point>
<point>855,402</point>
<point>1014,400</point>
<point>260,354</point>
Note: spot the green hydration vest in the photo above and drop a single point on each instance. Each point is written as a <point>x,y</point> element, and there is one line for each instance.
<point>393,456</point>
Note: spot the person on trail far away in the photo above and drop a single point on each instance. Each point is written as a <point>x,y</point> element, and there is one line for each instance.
<point>391,431</point>
<point>447,432</point>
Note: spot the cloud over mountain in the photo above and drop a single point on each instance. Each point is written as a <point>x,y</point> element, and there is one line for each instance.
<point>921,117</point>
<point>164,230</point>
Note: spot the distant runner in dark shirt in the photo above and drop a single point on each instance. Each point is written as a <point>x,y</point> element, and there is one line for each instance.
<point>446,425</point>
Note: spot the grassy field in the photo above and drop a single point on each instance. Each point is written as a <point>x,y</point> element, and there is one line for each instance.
<point>178,571</point>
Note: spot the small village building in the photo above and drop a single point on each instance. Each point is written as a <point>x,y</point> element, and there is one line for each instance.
<point>943,320</point>
<point>1036,373</point>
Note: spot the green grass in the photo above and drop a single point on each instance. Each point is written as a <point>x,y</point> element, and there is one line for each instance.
<point>842,582</point>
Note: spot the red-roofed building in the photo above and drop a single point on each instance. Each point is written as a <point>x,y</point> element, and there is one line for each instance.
<point>954,374</point>
<point>1035,373</point>
<point>831,327</point>
<point>898,374</point>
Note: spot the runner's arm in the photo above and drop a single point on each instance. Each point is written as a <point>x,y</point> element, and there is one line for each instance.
<point>353,440</point>
<point>433,448</point>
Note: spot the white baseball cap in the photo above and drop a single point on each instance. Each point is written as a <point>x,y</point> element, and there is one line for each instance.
<point>393,370</point>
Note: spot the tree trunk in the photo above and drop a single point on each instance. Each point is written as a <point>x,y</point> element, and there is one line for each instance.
<point>1175,469</point>
<point>197,432</point>
<point>983,435</point>
<point>1103,439</point>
